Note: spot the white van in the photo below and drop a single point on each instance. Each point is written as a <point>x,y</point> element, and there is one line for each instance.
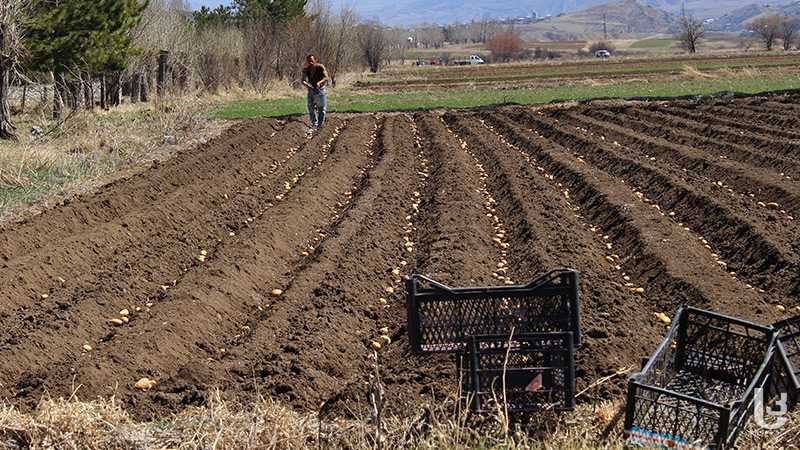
<point>472,60</point>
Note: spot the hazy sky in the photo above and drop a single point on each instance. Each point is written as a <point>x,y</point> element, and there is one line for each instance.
<point>211,3</point>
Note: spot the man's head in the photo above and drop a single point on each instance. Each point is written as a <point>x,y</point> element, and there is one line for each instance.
<point>311,60</point>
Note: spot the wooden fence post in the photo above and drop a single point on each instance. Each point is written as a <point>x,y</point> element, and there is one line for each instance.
<point>161,82</point>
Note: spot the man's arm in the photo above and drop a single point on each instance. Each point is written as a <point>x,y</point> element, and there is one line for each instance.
<point>306,79</point>
<point>324,79</point>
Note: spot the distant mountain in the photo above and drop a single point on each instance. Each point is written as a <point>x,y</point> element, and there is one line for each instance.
<point>736,20</point>
<point>413,12</point>
<point>623,18</point>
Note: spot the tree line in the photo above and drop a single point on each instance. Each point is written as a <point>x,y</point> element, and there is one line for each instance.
<point>85,54</point>
<point>767,29</point>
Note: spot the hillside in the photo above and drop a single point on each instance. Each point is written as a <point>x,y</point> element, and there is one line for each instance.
<point>415,12</point>
<point>412,12</point>
<point>624,18</point>
<point>738,18</point>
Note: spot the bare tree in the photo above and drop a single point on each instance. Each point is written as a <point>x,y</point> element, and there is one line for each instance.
<point>788,31</point>
<point>766,28</point>
<point>12,14</point>
<point>343,35</point>
<point>691,31</point>
<point>373,44</point>
<point>506,46</point>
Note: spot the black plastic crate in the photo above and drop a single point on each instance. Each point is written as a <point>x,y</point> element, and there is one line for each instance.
<point>520,373</point>
<point>787,364</point>
<point>698,389</point>
<point>442,319</point>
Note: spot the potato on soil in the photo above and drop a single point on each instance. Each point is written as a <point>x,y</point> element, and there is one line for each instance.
<point>663,318</point>
<point>145,384</point>
<point>376,346</point>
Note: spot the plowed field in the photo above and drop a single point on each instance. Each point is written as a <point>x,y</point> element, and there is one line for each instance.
<point>693,203</point>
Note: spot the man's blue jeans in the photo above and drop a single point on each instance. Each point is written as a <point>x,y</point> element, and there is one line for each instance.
<point>317,107</point>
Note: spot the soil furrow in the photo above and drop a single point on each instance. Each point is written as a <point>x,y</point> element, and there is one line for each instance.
<point>773,222</point>
<point>455,247</point>
<point>671,147</point>
<point>155,249</point>
<point>772,153</point>
<point>758,117</point>
<point>746,247</point>
<point>217,298</point>
<point>336,306</point>
<point>192,217</point>
<point>121,197</point>
<point>692,111</point>
<point>733,132</point>
<point>547,232</point>
<point>670,263</point>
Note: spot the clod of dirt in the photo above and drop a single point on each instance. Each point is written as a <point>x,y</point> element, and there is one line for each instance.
<point>145,384</point>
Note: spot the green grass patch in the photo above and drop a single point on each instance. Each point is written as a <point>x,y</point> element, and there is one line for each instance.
<point>33,184</point>
<point>588,71</point>
<point>653,43</point>
<point>476,98</point>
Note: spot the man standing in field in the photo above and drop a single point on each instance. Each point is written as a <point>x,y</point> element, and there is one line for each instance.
<point>315,76</point>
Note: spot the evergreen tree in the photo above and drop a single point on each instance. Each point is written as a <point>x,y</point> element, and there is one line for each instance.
<point>221,15</point>
<point>71,37</point>
<point>281,11</point>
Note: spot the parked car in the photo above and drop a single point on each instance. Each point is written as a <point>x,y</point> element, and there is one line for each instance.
<point>602,54</point>
<point>472,60</point>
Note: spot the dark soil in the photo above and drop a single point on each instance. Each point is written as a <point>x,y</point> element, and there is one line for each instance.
<point>325,218</point>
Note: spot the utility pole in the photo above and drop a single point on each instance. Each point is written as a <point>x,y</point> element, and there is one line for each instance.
<point>605,25</point>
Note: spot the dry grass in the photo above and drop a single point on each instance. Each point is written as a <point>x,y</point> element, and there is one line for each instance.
<point>691,73</point>
<point>266,424</point>
<point>90,148</point>
<point>269,425</point>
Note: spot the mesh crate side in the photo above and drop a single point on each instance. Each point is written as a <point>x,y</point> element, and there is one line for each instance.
<point>669,416</point>
<point>530,372</point>
<point>784,376</point>
<point>720,350</point>
<point>442,320</point>
<point>788,358</point>
<point>742,410</point>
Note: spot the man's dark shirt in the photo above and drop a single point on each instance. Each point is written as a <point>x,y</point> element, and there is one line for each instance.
<point>315,74</point>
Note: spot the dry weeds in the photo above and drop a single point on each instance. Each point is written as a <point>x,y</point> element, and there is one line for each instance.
<point>91,148</point>
<point>266,424</point>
